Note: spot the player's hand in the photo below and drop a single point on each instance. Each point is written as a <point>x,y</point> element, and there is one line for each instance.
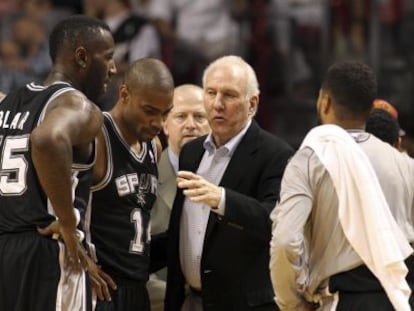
<point>198,189</point>
<point>53,229</point>
<point>69,236</point>
<point>99,279</point>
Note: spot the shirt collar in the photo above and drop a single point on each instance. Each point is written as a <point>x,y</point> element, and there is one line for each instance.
<point>358,135</point>
<point>230,146</point>
<point>173,159</point>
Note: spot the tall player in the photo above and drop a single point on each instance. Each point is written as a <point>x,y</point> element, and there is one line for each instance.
<point>125,182</point>
<point>46,141</point>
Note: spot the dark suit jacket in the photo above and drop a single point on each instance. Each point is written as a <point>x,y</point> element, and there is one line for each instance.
<point>235,261</point>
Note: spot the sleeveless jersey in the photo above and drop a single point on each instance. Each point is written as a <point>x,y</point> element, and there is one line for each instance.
<point>118,217</point>
<point>23,203</point>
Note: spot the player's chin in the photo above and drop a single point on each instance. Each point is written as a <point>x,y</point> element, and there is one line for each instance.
<point>148,136</point>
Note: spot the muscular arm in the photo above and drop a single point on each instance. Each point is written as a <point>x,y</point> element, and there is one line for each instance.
<point>70,121</point>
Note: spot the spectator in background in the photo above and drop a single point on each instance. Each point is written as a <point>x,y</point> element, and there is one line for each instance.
<point>381,124</point>
<point>295,27</point>
<point>135,38</point>
<point>45,11</point>
<point>141,7</point>
<point>198,31</point>
<point>8,10</point>
<point>7,6</point>
<point>185,122</point>
<point>24,56</point>
<point>23,41</point>
<point>381,104</point>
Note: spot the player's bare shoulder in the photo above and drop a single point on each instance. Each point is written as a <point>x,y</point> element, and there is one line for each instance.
<point>74,103</point>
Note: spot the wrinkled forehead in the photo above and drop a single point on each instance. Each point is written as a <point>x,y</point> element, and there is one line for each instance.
<point>189,107</point>
<point>188,97</point>
<point>227,77</point>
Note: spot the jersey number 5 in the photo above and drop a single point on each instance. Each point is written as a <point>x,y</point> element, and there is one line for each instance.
<point>13,165</point>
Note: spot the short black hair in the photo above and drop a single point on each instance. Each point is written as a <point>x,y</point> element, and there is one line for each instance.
<point>353,86</point>
<point>381,124</point>
<point>149,74</point>
<point>72,31</point>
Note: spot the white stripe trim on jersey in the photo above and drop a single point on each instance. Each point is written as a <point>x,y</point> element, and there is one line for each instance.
<point>109,164</point>
<point>37,87</point>
<point>71,291</point>
<point>154,150</point>
<point>87,229</point>
<point>54,96</point>
<point>139,157</point>
<point>85,166</point>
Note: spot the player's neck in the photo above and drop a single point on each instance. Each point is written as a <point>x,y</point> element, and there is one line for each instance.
<point>56,75</point>
<point>128,137</point>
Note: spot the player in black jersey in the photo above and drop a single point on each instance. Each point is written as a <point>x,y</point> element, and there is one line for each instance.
<point>125,182</point>
<point>46,148</point>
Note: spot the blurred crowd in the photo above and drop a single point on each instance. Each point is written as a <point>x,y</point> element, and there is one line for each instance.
<point>288,42</point>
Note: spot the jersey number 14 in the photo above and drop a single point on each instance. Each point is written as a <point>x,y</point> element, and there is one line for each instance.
<point>137,245</point>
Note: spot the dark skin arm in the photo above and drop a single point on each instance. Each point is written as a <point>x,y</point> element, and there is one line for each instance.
<point>71,122</point>
<point>99,279</point>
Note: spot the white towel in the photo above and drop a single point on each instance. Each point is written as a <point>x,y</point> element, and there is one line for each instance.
<point>363,212</point>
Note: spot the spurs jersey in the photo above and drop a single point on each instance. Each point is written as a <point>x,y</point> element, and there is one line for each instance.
<point>23,203</point>
<point>118,218</point>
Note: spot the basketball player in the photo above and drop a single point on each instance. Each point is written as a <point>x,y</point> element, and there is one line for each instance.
<point>125,182</point>
<point>46,135</point>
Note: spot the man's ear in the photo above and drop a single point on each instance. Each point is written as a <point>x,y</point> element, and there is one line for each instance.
<point>165,127</point>
<point>328,104</point>
<point>253,105</point>
<point>325,103</point>
<point>123,92</point>
<point>81,57</point>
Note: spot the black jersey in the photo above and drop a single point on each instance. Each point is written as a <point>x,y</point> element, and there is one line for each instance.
<point>118,218</point>
<point>23,203</point>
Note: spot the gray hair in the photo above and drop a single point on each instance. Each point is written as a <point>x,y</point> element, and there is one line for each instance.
<point>252,87</point>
